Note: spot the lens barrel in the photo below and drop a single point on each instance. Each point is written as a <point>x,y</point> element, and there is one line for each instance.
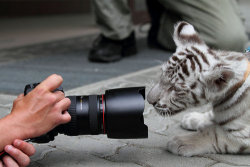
<point>86,116</point>
<point>117,113</point>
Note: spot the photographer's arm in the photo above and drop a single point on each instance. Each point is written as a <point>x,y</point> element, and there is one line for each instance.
<point>36,113</point>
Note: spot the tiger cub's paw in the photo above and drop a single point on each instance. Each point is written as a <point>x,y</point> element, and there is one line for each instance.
<point>178,145</point>
<point>195,121</point>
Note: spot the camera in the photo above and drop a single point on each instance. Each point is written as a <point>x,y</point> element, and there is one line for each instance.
<point>117,113</point>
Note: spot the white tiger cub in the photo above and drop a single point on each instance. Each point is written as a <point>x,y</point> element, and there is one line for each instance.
<point>196,75</point>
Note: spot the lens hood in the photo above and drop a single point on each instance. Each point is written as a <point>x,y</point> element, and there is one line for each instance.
<point>124,113</point>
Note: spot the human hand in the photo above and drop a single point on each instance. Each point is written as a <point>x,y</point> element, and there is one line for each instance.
<point>41,110</point>
<point>19,154</point>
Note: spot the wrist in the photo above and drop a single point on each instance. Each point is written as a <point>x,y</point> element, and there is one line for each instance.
<point>14,128</point>
<point>8,132</point>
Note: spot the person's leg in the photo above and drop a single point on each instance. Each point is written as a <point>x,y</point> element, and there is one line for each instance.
<point>114,18</point>
<point>155,10</point>
<point>166,30</point>
<point>117,38</point>
<point>218,22</point>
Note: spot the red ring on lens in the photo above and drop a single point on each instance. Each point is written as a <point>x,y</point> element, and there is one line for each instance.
<point>1,153</point>
<point>103,117</point>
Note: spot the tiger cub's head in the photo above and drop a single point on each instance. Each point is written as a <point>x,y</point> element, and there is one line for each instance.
<point>194,75</point>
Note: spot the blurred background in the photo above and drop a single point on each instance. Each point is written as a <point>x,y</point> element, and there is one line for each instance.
<point>41,37</point>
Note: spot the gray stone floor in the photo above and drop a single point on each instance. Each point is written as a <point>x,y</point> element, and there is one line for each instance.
<point>100,151</point>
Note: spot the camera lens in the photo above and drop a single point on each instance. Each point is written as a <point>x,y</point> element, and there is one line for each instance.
<point>117,113</point>
<point>87,116</point>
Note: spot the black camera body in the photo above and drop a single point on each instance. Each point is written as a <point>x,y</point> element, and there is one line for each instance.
<point>117,113</point>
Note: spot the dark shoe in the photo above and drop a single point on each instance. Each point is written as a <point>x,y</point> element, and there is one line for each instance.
<point>108,50</point>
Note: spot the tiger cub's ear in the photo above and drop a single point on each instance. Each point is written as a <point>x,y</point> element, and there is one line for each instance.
<point>184,33</point>
<point>218,78</point>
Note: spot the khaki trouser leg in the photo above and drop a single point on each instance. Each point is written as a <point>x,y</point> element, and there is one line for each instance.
<point>217,21</point>
<point>114,18</point>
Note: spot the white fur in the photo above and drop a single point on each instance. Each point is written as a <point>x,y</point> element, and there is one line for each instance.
<point>225,129</point>
<point>205,141</point>
<point>188,30</point>
<point>197,120</point>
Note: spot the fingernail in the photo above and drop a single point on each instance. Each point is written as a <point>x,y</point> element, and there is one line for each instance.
<point>17,143</point>
<point>9,148</point>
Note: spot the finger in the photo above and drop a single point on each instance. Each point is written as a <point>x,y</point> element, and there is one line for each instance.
<point>52,82</point>
<point>25,147</point>
<point>9,162</point>
<point>21,158</point>
<point>65,117</point>
<point>59,95</point>
<point>65,103</point>
<point>62,106</point>
<point>1,163</point>
<point>20,96</point>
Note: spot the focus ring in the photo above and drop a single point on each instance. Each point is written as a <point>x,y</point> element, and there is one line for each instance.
<point>93,117</point>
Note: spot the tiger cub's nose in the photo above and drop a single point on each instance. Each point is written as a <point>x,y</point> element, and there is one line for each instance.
<point>154,94</point>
